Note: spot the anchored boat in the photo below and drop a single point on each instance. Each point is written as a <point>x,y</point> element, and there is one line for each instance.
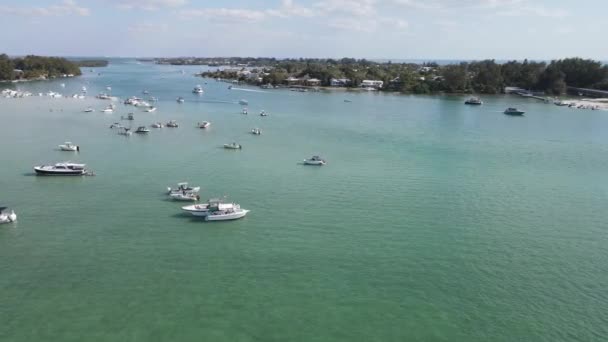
<point>62,169</point>
<point>68,146</point>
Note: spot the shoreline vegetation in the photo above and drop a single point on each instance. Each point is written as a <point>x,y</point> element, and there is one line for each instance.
<point>91,63</point>
<point>481,77</point>
<point>36,68</point>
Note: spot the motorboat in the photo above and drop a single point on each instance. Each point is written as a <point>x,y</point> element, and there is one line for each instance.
<point>108,110</point>
<point>226,212</point>
<point>233,146</point>
<point>184,196</point>
<point>61,169</point>
<point>212,206</point>
<point>172,124</point>
<point>125,131</point>
<point>142,130</point>
<point>180,100</point>
<point>243,102</point>
<point>476,101</point>
<point>256,131</point>
<point>198,89</point>
<point>263,113</point>
<point>89,110</point>
<point>150,109</point>
<point>245,111</point>
<point>315,160</point>
<point>68,146</point>
<point>103,96</point>
<point>197,209</point>
<point>116,125</point>
<point>514,111</point>
<point>129,117</point>
<point>7,216</point>
<point>561,103</point>
<point>183,187</point>
<point>158,125</point>
<point>84,89</point>
<point>204,124</point>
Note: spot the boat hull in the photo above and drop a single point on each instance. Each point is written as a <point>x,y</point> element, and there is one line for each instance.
<point>44,172</point>
<point>228,216</point>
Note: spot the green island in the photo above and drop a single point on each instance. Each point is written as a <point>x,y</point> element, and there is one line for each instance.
<point>483,77</point>
<point>36,68</point>
<point>91,63</point>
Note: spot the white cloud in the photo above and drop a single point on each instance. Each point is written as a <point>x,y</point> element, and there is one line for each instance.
<point>67,7</point>
<point>538,11</point>
<point>288,9</point>
<point>349,7</point>
<point>145,28</point>
<point>150,5</point>
<point>369,25</point>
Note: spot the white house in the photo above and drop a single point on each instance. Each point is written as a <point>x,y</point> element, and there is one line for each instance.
<point>372,84</point>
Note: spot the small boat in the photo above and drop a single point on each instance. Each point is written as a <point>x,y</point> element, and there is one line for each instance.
<point>150,109</point>
<point>226,212</point>
<point>116,125</point>
<point>184,196</point>
<point>476,101</point>
<point>89,110</point>
<point>142,130</point>
<point>84,89</point>
<point>233,146</point>
<point>145,92</point>
<point>125,131</point>
<point>61,169</point>
<point>68,146</point>
<point>129,117</point>
<point>245,111</point>
<point>315,160</point>
<point>256,131</point>
<point>103,96</point>
<point>108,88</point>
<point>172,124</point>
<point>157,125</point>
<point>561,103</point>
<point>243,102</point>
<point>183,187</point>
<point>263,113</point>
<point>514,111</point>
<point>108,110</point>
<point>7,216</point>
<point>180,100</point>
<point>204,124</point>
<point>198,90</point>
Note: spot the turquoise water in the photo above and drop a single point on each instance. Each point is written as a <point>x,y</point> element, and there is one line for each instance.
<point>433,221</point>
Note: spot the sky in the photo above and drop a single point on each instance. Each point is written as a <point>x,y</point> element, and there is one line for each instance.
<point>375,29</point>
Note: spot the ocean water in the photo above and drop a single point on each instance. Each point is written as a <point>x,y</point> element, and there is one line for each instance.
<point>433,221</point>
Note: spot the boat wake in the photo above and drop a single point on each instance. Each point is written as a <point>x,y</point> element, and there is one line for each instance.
<point>250,90</point>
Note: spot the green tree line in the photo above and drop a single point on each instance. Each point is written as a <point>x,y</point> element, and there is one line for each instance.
<point>35,66</point>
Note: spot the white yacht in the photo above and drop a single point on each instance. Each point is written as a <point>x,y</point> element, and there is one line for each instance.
<point>233,146</point>
<point>7,216</point>
<point>315,160</point>
<point>183,187</point>
<point>256,131</point>
<point>198,89</point>
<point>142,130</point>
<point>62,169</point>
<point>68,146</point>
<point>172,124</point>
<point>204,124</point>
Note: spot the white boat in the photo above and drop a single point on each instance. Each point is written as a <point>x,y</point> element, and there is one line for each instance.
<point>150,109</point>
<point>315,160</point>
<point>263,113</point>
<point>245,111</point>
<point>172,124</point>
<point>142,130</point>
<point>256,131</point>
<point>61,169</point>
<point>125,131</point>
<point>103,96</point>
<point>183,187</point>
<point>89,110</point>
<point>84,89</point>
<point>185,196</point>
<point>212,205</point>
<point>108,88</point>
<point>68,146</point>
<point>158,125</point>
<point>108,110</point>
<point>116,125</point>
<point>233,213</point>
<point>62,85</point>
<point>233,146</point>
<point>204,124</point>
<point>198,89</point>
<point>7,216</point>
<point>180,100</point>
<point>145,92</point>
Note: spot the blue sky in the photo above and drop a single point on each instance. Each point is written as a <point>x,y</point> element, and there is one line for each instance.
<point>394,29</point>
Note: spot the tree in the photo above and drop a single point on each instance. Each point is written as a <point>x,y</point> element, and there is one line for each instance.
<point>6,68</point>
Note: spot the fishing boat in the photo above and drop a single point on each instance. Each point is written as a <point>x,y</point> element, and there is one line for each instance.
<point>476,101</point>
<point>7,216</point>
<point>233,146</point>
<point>315,160</point>
<point>172,124</point>
<point>68,146</point>
<point>256,131</point>
<point>89,110</point>
<point>226,212</point>
<point>142,130</point>
<point>180,100</point>
<point>185,196</point>
<point>183,187</point>
<point>157,125</point>
<point>61,169</point>
<point>514,111</point>
<point>204,124</point>
<point>150,109</point>
<point>125,131</point>
<point>197,90</point>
